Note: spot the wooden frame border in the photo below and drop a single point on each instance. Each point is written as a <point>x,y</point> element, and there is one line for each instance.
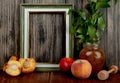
<point>25,10</point>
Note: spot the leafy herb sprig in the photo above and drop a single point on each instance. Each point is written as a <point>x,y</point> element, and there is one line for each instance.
<point>88,23</point>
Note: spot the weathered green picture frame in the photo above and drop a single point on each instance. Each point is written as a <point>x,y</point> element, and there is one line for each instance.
<point>25,10</point>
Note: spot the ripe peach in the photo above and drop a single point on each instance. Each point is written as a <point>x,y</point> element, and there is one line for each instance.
<point>13,57</point>
<point>28,65</point>
<point>21,60</point>
<point>81,69</point>
<point>12,68</point>
<point>4,66</point>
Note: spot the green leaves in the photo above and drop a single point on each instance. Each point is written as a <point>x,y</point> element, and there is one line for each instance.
<point>82,14</point>
<point>102,4</point>
<point>95,17</point>
<point>94,0</point>
<point>103,0</point>
<point>115,1</point>
<point>91,32</point>
<point>88,23</point>
<point>101,23</point>
<point>94,5</point>
<point>91,7</point>
<point>81,38</point>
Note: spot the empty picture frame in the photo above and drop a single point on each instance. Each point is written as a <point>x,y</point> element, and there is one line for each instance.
<point>25,11</point>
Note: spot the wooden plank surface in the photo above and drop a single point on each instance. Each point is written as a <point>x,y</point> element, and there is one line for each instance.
<point>112,35</point>
<point>54,77</point>
<point>47,32</point>
<point>10,28</point>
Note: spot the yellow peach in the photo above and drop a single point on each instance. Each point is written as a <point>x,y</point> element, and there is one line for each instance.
<point>12,68</point>
<point>28,65</point>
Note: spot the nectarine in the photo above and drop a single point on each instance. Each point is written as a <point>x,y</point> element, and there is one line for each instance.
<point>12,68</point>
<point>13,57</point>
<point>21,60</point>
<point>28,65</point>
<point>81,69</point>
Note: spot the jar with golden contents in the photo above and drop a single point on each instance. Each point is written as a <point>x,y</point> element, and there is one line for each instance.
<point>95,55</point>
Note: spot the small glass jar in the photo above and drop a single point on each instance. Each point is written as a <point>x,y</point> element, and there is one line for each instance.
<point>95,55</point>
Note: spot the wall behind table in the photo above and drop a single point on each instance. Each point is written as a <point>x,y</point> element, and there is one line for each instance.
<point>10,28</point>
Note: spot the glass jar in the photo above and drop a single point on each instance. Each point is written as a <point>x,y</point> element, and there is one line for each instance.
<point>95,55</point>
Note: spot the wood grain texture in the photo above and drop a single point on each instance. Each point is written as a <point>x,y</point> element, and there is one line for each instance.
<point>54,77</point>
<point>47,32</point>
<point>10,30</point>
<point>112,37</point>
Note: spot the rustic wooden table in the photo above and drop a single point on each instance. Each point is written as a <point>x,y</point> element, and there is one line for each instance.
<point>53,77</point>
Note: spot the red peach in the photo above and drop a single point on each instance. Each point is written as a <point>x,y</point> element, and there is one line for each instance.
<point>81,69</point>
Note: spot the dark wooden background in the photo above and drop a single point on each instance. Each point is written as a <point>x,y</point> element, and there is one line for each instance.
<point>47,37</point>
<point>10,30</point>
